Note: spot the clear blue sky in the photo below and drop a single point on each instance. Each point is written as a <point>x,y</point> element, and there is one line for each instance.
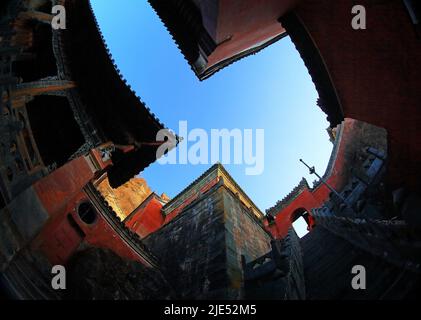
<point>271,90</point>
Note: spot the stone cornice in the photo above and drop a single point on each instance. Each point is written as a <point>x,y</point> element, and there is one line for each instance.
<point>219,173</point>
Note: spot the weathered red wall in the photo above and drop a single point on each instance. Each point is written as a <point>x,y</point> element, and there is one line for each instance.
<point>62,185</point>
<point>243,24</point>
<point>147,218</point>
<point>308,199</point>
<point>59,240</point>
<point>376,72</point>
<point>283,220</point>
<point>60,193</point>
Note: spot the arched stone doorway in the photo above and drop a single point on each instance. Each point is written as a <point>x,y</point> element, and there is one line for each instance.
<point>301,221</point>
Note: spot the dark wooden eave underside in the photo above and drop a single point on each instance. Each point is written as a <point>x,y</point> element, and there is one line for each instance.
<point>114,108</point>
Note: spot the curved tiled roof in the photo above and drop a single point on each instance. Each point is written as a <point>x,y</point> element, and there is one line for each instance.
<point>117,113</point>
<point>183,21</point>
<point>281,204</point>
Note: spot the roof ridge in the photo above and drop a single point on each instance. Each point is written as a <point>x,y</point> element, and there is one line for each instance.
<point>208,171</point>
<point>290,196</point>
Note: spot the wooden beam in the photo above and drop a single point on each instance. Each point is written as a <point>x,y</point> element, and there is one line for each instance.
<point>37,15</point>
<point>41,87</point>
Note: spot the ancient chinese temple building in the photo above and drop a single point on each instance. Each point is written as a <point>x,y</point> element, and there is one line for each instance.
<point>72,129</point>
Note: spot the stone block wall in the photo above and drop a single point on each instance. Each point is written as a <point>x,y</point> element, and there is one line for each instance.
<point>200,250</point>
<point>279,274</point>
<point>243,236</point>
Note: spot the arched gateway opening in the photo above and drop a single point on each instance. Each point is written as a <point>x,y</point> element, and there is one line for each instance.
<point>300,221</point>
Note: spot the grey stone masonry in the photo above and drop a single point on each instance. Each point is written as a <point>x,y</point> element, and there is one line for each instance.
<point>200,250</point>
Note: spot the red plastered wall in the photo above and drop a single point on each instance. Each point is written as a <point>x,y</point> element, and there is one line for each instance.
<point>375,72</point>
<point>241,25</point>
<point>147,219</point>
<point>308,199</point>
<point>60,193</point>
